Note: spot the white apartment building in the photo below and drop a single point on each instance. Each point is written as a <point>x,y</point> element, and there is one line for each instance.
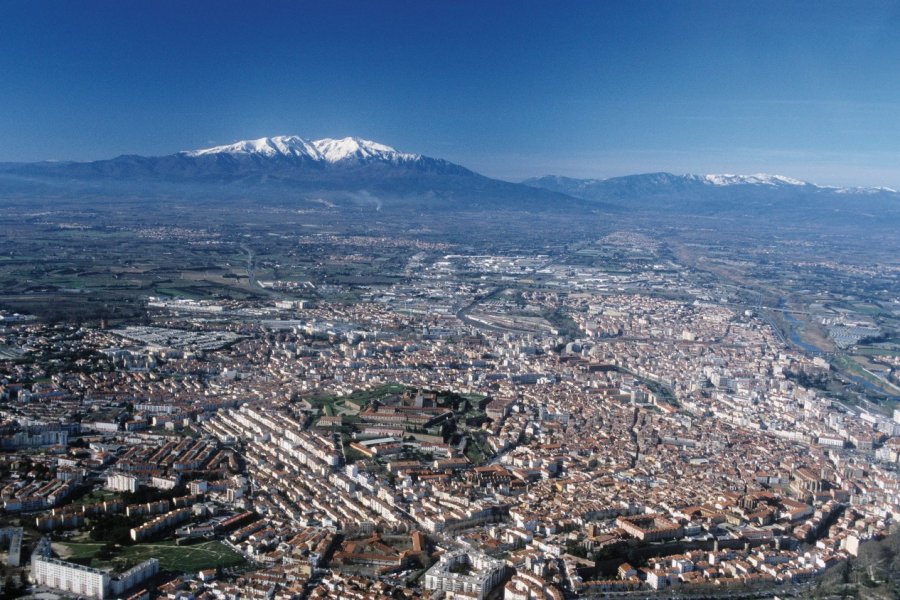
<point>120,482</point>
<point>85,581</point>
<point>472,573</point>
<point>69,577</point>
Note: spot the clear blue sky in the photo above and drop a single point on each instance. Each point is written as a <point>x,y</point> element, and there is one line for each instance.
<point>510,89</point>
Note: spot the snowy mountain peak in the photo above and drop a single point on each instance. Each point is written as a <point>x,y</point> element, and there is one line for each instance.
<point>284,145</point>
<point>757,179</point>
<point>781,181</point>
<point>662,181</point>
<point>351,147</point>
<point>324,150</point>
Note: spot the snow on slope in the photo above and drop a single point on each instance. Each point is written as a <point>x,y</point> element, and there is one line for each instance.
<point>757,179</point>
<point>662,181</point>
<point>781,180</point>
<point>325,150</point>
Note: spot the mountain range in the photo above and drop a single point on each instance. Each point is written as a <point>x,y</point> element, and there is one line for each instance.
<point>751,197</point>
<point>357,171</point>
<point>654,182</point>
<point>348,171</point>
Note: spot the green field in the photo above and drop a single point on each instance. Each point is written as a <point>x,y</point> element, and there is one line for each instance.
<point>870,309</point>
<point>179,293</point>
<point>327,403</point>
<point>849,365</point>
<point>98,496</point>
<point>188,559</point>
<point>875,351</point>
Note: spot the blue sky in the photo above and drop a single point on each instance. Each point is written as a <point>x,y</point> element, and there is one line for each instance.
<point>510,89</point>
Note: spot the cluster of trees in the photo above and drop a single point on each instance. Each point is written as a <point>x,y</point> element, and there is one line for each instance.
<point>886,336</point>
<point>13,587</point>
<point>149,494</point>
<point>113,529</point>
<point>116,529</point>
<point>811,381</point>
<point>874,574</point>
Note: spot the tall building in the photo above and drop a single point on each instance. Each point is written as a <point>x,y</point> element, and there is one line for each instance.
<point>472,573</point>
<point>69,577</point>
<point>13,535</point>
<point>85,581</point>
<point>122,482</point>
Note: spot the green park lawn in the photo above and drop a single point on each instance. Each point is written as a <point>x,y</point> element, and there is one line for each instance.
<point>188,559</point>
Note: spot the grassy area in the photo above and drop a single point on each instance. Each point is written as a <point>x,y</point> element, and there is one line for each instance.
<point>327,403</point>
<point>79,550</point>
<point>475,452</point>
<point>875,351</point>
<point>187,559</point>
<point>98,496</point>
<point>179,293</point>
<point>849,365</point>
<point>870,309</point>
<point>474,399</point>
<point>378,392</point>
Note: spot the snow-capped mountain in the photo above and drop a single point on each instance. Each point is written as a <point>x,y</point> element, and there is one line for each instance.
<point>781,180</point>
<point>669,180</point>
<point>757,179</point>
<point>285,157</point>
<point>325,150</point>
<point>665,183</point>
<point>358,172</point>
<point>748,197</point>
<point>287,169</point>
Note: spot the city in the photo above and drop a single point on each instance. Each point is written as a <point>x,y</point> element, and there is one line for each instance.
<point>563,431</point>
<point>449,300</point>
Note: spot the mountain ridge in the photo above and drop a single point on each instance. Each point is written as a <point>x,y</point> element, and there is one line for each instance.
<point>329,150</point>
<point>758,199</point>
<point>353,171</point>
<point>712,179</point>
<point>350,171</point>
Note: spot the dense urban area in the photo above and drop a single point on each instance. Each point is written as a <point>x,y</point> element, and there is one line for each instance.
<point>371,415</point>
<point>449,300</point>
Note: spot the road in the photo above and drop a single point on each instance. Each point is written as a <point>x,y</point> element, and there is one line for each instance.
<point>634,437</point>
<point>251,276</point>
